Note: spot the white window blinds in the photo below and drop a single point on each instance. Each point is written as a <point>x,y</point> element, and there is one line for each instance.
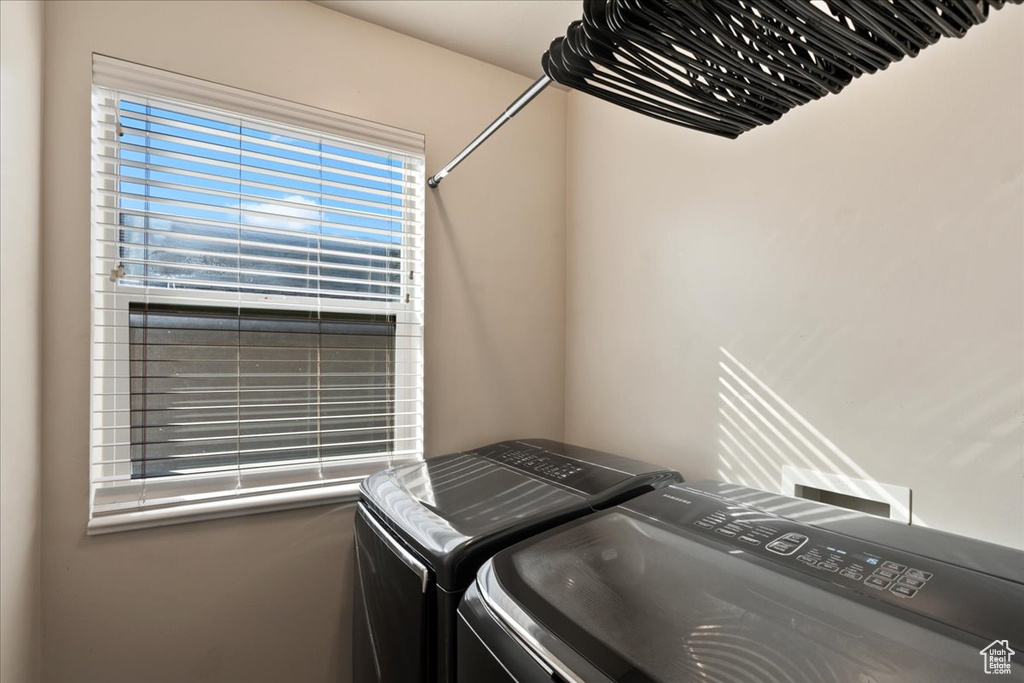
<point>257,300</point>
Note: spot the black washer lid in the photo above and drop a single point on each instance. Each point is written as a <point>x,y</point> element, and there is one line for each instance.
<point>637,600</point>
<point>457,509</point>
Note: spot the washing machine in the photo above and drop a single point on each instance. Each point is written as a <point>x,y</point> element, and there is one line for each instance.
<point>715,582</point>
<point>423,530</point>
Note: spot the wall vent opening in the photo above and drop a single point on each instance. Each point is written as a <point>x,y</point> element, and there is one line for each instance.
<point>850,493</point>
<point>871,507</point>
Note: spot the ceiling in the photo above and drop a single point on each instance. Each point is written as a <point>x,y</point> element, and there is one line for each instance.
<point>512,34</point>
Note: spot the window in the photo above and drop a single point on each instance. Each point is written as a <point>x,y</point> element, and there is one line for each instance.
<point>258,300</point>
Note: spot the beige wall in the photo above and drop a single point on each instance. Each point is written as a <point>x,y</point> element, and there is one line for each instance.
<point>267,597</point>
<point>21,70</point>
<point>862,258</point>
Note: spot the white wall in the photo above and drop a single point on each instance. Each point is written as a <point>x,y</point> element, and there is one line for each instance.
<point>21,70</point>
<point>855,272</point>
<point>267,597</point>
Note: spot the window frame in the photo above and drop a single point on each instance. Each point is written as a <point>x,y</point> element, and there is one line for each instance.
<point>110,306</point>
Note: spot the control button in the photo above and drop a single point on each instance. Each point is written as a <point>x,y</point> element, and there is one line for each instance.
<point>898,568</point>
<point>787,544</point>
<point>750,539</point>
<point>725,532</point>
<point>828,566</point>
<point>886,574</point>
<point>781,548</point>
<point>702,523</point>
<point>877,582</point>
<point>903,591</point>
<point>850,574</point>
<point>918,574</point>
<point>911,581</point>
<point>808,559</point>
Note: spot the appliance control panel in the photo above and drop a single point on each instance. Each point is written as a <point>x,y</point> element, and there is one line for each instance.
<point>539,462</point>
<point>968,600</point>
<point>553,467</point>
<point>749,529</point>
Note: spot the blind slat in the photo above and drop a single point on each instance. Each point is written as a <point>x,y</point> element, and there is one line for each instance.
<point>254,421</point>
<point>117,152</point>
<point>338,463</point>
<point>202,151</point>
<point>139,118</point>
<point>279,451</point>
<point>248,190</point>
<point>275,406</point>
<point>270,261</point>
<point>376,281</point>
<point>223,286</point>
<point>245,217</point>
<point>261,230</point>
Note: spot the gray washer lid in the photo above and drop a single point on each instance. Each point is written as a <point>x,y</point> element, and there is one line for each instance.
<point>638,602</point>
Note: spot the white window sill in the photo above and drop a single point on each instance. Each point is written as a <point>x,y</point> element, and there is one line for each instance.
<point>218,509</point>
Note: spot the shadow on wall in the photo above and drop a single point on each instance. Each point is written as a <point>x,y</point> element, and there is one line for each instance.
<point>760,434</point>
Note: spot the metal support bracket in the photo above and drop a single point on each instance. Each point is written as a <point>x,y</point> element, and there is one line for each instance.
<point>512,110</point>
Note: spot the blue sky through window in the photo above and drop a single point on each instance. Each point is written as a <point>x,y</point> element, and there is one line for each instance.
<point>219,204</point>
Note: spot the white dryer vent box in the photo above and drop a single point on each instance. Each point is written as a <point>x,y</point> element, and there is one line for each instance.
<point>863,495</point>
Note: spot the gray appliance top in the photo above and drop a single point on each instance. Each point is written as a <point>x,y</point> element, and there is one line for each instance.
<point>961,551</point>
<point>445,502</point>
<point>672,587</point>
<point>454,510</point>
